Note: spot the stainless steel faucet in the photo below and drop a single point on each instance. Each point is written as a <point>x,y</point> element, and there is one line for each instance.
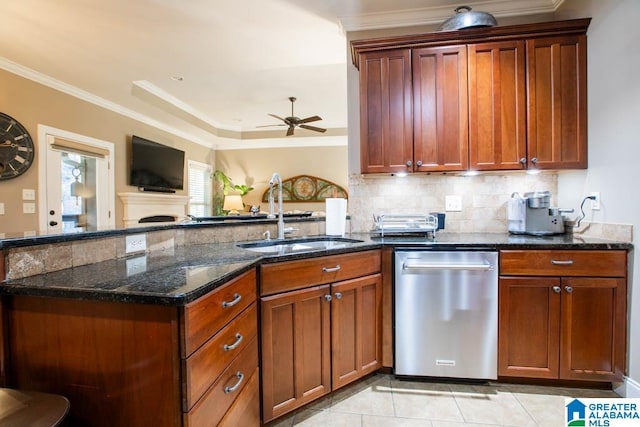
<point>275,179</point>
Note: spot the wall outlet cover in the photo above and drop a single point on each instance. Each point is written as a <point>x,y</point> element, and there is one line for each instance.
<point>453,203</point>
<point>28,194</point>
<point>29,208</point>
<point>136,243</point>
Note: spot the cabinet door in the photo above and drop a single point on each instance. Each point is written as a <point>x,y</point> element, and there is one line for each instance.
<point>529,327</point>
<point>296,355</point>
<point>440,111</point>
<point>557,103</point>
<point>386,133</point>
<point>356,334</point>
<point>592,345</point>
<point>497,106</point>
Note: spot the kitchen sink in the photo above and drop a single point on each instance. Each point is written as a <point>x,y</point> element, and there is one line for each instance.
<point>306,244</point>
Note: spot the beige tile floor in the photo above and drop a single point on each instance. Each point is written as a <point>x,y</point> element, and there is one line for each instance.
<point>383,400</point>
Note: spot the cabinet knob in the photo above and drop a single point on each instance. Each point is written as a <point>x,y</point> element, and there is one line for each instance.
<point>327,297</point>
<point>556,289</point>
<point>419,163</point>
<point>338,295</point>
<point>523,161</point>
<point>534,160</point>
<point>569,289</point>
<point>409,163</point>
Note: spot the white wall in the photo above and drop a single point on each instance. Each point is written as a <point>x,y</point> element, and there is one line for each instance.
<point>614,135</point>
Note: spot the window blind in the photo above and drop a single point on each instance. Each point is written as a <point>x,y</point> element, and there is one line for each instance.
<point>66,145</point>
<point>199,176</point>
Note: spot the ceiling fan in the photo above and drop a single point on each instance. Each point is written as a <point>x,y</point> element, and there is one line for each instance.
<point>292,121</point>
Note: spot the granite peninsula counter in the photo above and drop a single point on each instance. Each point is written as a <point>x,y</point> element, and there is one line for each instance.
<point>181,274</point>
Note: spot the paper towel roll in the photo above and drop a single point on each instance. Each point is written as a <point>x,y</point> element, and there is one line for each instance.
<point>336,216</point>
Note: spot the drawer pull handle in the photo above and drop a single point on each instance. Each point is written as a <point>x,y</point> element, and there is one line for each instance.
<point>236,299</point>
<point>331,269</point>
<point>233,346</point>
<point>559,262</point>
<point>557,289</point>
<point>569,289</point>
<point>234,387</point>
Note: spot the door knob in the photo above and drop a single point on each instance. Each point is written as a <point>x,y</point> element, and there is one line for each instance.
<point>53,223</point>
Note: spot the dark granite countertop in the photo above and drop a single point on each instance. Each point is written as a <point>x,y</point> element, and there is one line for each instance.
<point>178,276</point>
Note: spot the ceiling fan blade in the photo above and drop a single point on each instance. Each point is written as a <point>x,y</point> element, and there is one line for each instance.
<point>277,117</point>
<point>310,119</point>
<point>290,131</point>
<point>267,126</point>
<point>313,128</point>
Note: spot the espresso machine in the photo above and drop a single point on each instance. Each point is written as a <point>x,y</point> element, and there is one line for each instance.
<point>532,214</point>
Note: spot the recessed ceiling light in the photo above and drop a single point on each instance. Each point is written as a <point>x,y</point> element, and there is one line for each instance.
<point>177,78</point>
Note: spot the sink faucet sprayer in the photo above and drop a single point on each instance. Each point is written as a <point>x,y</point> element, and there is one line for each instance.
<point>275,178</point>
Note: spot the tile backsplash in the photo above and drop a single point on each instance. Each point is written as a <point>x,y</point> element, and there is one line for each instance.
<point>484,197</point>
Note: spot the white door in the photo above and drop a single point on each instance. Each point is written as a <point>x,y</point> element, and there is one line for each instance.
<point>76,182</point>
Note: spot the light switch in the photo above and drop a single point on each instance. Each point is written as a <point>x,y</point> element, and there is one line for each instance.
<point>1,208</point>
<point>29,208</point>
<point>28,194</point>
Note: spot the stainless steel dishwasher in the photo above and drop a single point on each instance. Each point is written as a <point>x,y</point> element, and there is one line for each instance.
<point>446,313</point>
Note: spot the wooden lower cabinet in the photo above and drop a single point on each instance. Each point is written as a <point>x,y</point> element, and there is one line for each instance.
<point>319,338</point>
<point>125,364</point>
<point>296,352</point>
<point>356,313</point>
<point>570,328</point>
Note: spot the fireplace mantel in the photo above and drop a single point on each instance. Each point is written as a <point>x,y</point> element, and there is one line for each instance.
<point>138,205</point>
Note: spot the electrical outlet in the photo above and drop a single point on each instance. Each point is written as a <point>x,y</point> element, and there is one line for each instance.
<point>595,204</point>
<point>453,203</point>
<point>136,243</point>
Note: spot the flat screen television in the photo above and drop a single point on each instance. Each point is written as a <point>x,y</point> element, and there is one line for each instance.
<point>156,167</point>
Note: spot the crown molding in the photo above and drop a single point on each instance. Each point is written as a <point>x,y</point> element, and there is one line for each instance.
<point>438,14</point>
<point>83,95</point>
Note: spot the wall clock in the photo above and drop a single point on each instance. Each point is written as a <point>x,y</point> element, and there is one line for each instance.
<point>16,148</point>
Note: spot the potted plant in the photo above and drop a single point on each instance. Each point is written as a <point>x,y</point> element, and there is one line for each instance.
<point>223,186</point>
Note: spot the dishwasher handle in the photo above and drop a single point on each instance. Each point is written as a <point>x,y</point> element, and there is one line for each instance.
<point>425,265</point>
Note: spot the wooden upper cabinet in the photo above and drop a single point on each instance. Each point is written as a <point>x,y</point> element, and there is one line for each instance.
<point>497,98</point>
<point>440,109</point>
<point>386,132</point>
<point>497,106</point>
<point>557,102</point>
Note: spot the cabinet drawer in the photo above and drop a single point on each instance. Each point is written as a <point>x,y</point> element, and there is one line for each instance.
<point>563,263</point>
<point>205,316</point>
<point>217,400</point>
<point>290,275</point>
<point>205,364</point>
